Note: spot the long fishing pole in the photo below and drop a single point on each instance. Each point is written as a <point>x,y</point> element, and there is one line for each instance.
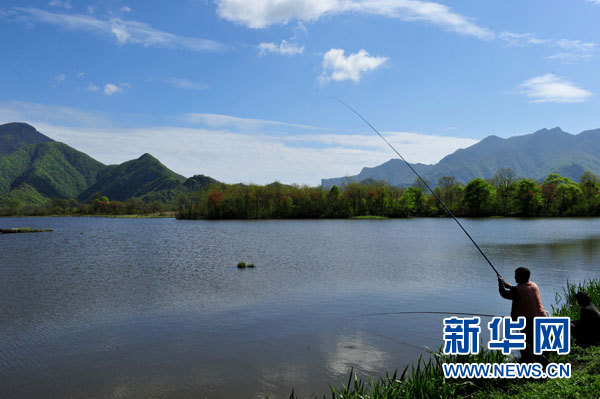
<point>423,181</point>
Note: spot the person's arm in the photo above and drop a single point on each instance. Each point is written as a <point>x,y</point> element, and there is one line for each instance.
<point>506,290</point>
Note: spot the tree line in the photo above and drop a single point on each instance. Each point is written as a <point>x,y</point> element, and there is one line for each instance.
<point>503,195</point>
<point>99,206</point>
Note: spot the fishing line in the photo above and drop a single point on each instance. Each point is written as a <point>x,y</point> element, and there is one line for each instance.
<point>447,313</point>
<point>423,181</point>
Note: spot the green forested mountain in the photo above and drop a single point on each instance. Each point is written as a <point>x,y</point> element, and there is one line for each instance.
<point>134,178</point>
<point>37,172</point>
<point>16,135</point>
<point>35,169</point>
<point>533,155</point>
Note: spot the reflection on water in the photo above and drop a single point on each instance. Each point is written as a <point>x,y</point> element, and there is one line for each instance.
<point>354,352</point>
<point>156,308</point>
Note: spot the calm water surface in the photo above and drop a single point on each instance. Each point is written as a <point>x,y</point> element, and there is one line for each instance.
<point>156,308</point>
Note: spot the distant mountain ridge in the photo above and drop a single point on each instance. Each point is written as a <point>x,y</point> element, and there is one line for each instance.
<point>534,155</point>
<point>34,168</point>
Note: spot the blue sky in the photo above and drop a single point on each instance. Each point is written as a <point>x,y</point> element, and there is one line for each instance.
<point>239,89</point>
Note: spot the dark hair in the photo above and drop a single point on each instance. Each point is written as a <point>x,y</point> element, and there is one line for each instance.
<point>583,298</point>
<point>522,274</point>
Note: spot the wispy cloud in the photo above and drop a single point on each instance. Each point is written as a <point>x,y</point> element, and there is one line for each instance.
<point>58,79</point>
<point>283,48</point>
<point>125,9</point>
<point>92,87</point>
<point>569,51</point>
<point>262,13</point>
<point>234,122</point>
<point>573,50</point>
<point>123,31</point>
<point>593,1</point>
<point>552,88</point>
<point>20,111</point>
<point>182,83</point>
<point>521,39</point>
<point>338,67</point>
<point>64,4</point>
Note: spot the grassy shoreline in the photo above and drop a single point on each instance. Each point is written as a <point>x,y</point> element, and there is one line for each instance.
<point>426,380</point>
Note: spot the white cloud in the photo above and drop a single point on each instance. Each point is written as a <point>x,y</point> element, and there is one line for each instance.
<point>185,84</point>
<point>122,30</point>
<point>573,50</point>
<point>283,48</point>
<point>338,67</point>
<point>125,9</point>
<point>80,75</point>
<point>110,89</point>
<point>569,50</point>
<point>227,155</point>
<point>64,4</point>
<point>521,39</point>
<point>552,88</point>
<point>262,13</point>
<point>593,1</point>
<point>92,87</point>
<point>90,9</point>
<point>58,79</point>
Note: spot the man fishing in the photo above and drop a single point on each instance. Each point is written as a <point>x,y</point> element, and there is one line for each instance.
<point>526,302</point>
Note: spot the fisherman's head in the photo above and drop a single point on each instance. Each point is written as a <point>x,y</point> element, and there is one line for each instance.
<point>583,299</point>
<point>522,275</point>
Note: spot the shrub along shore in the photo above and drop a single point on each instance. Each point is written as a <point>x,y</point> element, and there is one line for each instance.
<point>502,195</point>
<point>426,378</point>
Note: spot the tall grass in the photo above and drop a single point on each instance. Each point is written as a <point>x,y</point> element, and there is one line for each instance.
<point>423,380</point>
<point>566,304</point>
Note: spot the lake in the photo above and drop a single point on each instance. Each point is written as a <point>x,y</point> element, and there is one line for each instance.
<point>157,308</point>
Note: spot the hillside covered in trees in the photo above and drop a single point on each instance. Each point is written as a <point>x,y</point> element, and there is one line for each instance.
<point>38,174</point>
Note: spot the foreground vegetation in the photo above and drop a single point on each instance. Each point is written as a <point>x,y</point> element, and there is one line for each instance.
<point>426,378</point>
<point>502,195</point>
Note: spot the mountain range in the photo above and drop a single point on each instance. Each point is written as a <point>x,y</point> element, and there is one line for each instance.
<point>34,168</point>
<point>533,156</point>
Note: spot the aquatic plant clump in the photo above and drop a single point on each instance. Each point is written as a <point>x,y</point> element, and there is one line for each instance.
<point>241,265</point>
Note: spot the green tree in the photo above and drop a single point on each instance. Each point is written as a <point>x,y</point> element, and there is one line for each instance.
<point>561,196</point>
<point>479,198</point>
<point>450,192</point>
<point>590,186</point>
<point>527,198</point>
<point>504,182</point>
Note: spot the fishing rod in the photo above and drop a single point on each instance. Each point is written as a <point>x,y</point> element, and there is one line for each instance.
<point>423,181</point>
